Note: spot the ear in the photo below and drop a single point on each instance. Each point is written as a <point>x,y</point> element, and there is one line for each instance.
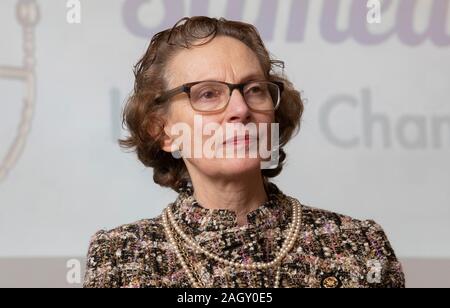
<point>167,140</point>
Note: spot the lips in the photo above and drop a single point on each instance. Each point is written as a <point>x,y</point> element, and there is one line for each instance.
<point>240,139</point>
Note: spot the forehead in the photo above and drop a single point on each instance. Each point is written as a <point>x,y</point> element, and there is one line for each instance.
<point>224,59</point>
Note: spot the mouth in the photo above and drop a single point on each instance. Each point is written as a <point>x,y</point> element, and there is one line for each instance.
<point>245,139</point>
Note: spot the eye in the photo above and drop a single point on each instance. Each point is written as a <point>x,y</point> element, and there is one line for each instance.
<point>255,89</point>
<point>209,94</point>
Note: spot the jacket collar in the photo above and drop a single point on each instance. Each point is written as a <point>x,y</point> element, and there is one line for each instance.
<point>195,219</point>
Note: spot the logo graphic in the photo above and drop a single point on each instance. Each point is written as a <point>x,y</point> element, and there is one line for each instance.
<point>27,12</point>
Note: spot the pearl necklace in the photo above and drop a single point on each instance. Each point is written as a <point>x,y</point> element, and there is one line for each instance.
<point>294,230</point>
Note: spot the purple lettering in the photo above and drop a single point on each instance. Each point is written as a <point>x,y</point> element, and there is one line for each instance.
<point>357,27</point>
<point>437,24</point>
<point>173,11</point>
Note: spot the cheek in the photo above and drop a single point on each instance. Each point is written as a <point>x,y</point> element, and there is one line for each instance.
<point>265,118</point>
<point>179,116</point>
<point>179,111</point>
<point>196,130</point>
<point>268,131</point>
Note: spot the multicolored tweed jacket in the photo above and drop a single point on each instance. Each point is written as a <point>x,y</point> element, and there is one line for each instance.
<point>332,250</point>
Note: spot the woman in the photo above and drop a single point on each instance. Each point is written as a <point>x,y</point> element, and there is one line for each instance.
<point>229,226</point>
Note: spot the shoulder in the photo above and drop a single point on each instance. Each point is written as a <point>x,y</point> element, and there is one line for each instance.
<point>120,249</point>
<point>320,218</point>
<point>340,229</point>
<point>336,236</point>
<point>138,230</point>
<point>127,236</point>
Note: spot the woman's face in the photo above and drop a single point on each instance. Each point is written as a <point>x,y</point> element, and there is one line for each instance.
<point>222,59</point>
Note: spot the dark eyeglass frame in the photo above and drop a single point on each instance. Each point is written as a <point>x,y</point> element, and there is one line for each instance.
<point>186,88</point>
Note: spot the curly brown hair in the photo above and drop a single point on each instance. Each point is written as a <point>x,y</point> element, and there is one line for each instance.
<point>144,118</point>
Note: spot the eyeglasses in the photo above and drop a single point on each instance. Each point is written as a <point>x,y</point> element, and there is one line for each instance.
<point>214,96</point>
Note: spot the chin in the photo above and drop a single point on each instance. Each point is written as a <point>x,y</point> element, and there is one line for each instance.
<point>228,168</point>
<point>238,166</point>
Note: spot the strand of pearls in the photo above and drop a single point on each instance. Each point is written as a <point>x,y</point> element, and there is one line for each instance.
<point>180,258</point>
<point>277,278</point>
<point>294,230</point>
<point>285,248</point>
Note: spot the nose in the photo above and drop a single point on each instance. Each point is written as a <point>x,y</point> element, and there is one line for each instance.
<point>237,110</point>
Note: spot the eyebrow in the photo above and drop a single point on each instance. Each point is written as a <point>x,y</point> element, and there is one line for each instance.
<point>251,76</point>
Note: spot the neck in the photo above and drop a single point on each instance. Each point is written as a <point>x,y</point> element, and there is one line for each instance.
<point>241,195</point>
